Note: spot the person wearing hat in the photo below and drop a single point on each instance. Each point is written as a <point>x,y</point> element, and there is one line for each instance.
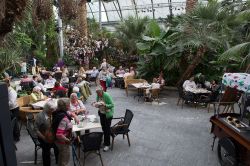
<point>36,95</point>
<point>42,126</point>
<point>106,110</point>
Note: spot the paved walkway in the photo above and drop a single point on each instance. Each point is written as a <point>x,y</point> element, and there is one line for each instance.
<point>163,135</point>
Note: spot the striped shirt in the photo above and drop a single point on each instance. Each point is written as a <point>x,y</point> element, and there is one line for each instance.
<point>64,129</point>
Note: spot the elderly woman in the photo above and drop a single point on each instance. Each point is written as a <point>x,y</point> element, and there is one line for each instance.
<point>76,105</point>
<point>36,95</point>
<point>82,73</point>
<point>102,77</point>
<point>42,127</point>
<point>106,110</point>
<point>65,79</point>
<point>62,127</point>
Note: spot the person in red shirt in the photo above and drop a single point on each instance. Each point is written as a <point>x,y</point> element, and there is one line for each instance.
<point>58,87</point>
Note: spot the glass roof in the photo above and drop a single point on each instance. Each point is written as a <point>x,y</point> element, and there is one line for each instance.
<point>119,9</point>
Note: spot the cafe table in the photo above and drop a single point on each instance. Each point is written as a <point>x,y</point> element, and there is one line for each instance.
<point>140,89</point>
<point>40,104</point>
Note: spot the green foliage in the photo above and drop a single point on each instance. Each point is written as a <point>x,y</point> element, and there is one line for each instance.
<point>8,59</point>
<point>128,32</point>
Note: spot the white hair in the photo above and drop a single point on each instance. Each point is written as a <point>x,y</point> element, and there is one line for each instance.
<point>76,89</point>
<point>50,105</point>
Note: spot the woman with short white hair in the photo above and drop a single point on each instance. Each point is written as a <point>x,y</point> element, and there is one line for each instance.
<point>36,95</point>
<point>76,106</point>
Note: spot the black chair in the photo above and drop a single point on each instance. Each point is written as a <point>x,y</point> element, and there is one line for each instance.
<point>32,133</point>
<point>76,159</point>
<point>91,143</point>
<point>122,127</point>
<point>27,86</point>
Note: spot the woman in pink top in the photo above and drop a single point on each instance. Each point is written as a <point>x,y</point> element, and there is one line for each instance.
<point>62,127</point>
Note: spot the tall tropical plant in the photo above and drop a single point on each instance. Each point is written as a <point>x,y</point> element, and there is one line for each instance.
<point>128,32</point>
<point>207,31</point>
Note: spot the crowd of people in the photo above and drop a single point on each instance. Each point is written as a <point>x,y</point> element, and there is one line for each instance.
<point>53,125</point>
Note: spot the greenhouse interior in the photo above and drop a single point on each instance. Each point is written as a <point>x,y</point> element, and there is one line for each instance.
<point>125,82</point>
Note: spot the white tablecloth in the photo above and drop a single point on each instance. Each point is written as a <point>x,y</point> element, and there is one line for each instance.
<point>240,81</point>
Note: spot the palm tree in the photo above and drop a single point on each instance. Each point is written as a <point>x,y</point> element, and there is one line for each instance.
<point>10,11</point>
<point>82,18</point>
<point>207,31</point>
<point>190,5</point>
<point>128,32</point>
<point>239,48</point>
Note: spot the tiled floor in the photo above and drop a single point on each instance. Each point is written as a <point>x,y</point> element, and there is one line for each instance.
<point>163,135</point>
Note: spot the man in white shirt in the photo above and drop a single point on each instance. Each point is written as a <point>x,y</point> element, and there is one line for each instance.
<point>188,85</point>
<point>14,109</point>
<point>50,81</point>
<point>94,73</point>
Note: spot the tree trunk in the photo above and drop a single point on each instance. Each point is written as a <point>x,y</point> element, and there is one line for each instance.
<point>83,26</point>
<point>190,5</point>
<point>82,18</point>
<point>190,69</point>
<point>2,10</point>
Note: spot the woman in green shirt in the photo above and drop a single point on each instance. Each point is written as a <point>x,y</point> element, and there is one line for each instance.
<point>106,110</point>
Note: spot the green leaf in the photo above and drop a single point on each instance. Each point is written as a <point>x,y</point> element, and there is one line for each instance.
<point>147,38</point>
<point>143,46</point>
<point>154,29</point>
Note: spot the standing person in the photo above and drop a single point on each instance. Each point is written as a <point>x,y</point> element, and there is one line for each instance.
<point>14,110</point>
<point>106,111</point>
<point>62,127</point>
<point>102,77</point>
<point>42,127</point>
<point>33,64</point>
<point>23,68</point>
<point>104,64</point>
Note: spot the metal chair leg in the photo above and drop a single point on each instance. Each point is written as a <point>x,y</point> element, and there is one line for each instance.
<point>35,162</point>
<point>112,145</point>
<point>214,138</point>
<point>101,158</point>
<point>128,139</point>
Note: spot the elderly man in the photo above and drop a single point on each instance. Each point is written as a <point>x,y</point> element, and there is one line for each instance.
<point>43,128</point>
<point>94,73</point>
<point>106,110</point>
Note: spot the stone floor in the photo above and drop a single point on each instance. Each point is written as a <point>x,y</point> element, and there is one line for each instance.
<point>161,135</point>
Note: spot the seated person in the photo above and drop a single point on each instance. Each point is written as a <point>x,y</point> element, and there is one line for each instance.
<point>36,95</point>
<point>120,71</point>
<point>77,91</point>
<point>35,80</point>
<point>26,79</point>
<point>94,73</point>
<point>188,85</point>
<point>82,73</point>
<point>64,80</point>
<point>65,70</point>
<point>58,87</point>
<point>50,80</point>
<point>161,80</point>
<point>58,70</point>
<point>127,73</point>
<point>132,71</point>
<point>40,85</point>
<point>154,85</point>
<point>80,82</point>
<point>76,106</point>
